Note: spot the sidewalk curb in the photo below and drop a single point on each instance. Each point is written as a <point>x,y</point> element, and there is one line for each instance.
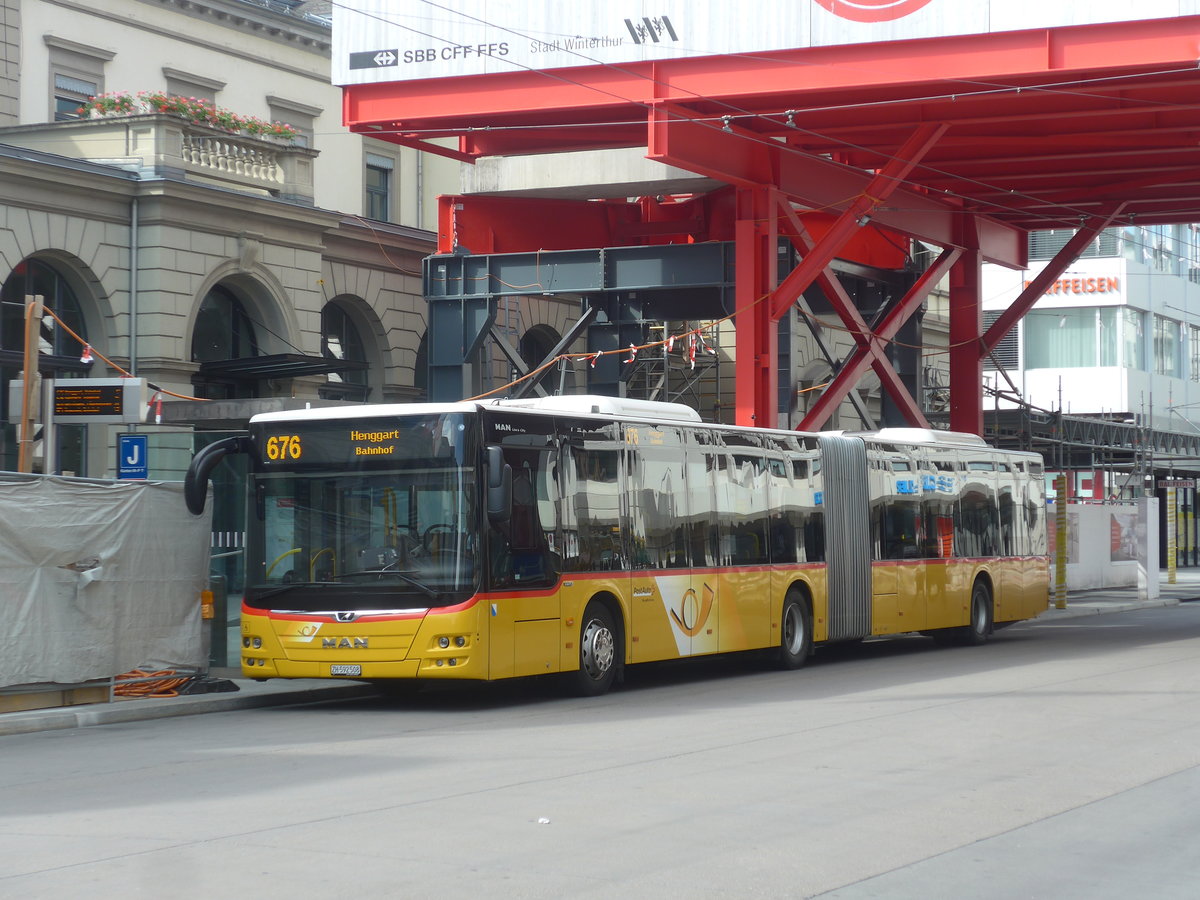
<point>123,711</point>
<point>1092,609</point>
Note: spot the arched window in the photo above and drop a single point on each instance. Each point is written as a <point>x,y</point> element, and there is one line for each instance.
<point>60,353</point>
<point>341,341</point>
<point>223,331</point>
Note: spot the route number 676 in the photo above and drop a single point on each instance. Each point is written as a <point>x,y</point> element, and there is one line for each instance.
<point>284,446</point>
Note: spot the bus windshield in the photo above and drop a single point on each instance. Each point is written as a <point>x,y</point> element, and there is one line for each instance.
<point>363,515</point>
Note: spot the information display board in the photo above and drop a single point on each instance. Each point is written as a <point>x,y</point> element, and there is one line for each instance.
<point>114,401</point>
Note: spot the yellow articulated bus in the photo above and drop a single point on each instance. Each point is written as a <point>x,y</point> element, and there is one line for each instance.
<point>578,535</point>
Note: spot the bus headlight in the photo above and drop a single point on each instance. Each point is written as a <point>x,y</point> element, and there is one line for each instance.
<point>443,642</point>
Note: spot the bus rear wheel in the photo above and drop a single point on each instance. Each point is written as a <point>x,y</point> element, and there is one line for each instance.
<point>597,652</point>
<point>795,631</point>
<point>980,628</point>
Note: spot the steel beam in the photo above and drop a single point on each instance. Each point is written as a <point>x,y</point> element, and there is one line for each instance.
<point>746,159</point>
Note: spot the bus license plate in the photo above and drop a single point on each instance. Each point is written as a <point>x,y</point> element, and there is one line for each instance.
<point>345,670</point>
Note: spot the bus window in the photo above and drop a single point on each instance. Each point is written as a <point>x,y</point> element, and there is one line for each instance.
<point>741,512</point>
<point>590,503</point>
<point>938,528</point>
<point>900,529</point>
<point>976,527</point>
<point>702,535</point>
<point>657,499</point>
<point>788,504</point>
<point>1008,522</point>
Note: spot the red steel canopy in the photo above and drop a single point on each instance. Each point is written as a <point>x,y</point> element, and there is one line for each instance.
<point>965,142</point>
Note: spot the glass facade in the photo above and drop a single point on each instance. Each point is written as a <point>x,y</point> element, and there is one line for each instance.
<point>1089,336</point>
<point>1167,356</point>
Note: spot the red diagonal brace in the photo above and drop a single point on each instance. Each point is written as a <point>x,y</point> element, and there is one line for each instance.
<point>1053,269</point>
<point>870,350</point>
<point>886,180</point>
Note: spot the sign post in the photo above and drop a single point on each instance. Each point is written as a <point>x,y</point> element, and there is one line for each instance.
<point>33,326</point>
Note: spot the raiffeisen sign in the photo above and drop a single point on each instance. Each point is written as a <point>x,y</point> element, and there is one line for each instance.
<point>382,40</point>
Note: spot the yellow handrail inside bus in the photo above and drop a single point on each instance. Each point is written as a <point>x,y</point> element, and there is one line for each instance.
<point>312,563</point>
<point>280,558</point>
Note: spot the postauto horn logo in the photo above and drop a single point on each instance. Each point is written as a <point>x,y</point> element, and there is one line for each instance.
<point>872,10</point>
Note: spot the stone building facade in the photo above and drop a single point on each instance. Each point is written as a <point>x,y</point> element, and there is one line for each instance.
<point>234,269</point>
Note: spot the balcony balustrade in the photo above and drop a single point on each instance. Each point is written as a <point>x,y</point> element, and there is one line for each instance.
<point>163,145</point>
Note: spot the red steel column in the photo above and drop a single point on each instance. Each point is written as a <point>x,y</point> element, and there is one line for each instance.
<point>966,328</point>
<point>756,234</point>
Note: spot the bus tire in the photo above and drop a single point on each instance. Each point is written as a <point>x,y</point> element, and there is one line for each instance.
<point>795,631</point>
<point>980,627</point>
<point>598,651</point>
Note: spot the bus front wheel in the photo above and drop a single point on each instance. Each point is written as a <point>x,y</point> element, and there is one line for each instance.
<point>795,631</point>
<point>597,651</point>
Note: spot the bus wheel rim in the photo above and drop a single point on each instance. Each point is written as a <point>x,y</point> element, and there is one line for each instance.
<point>793,629</point>
<point>598,648</point>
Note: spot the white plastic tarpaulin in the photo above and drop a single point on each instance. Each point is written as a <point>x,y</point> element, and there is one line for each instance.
<point>98,578</point>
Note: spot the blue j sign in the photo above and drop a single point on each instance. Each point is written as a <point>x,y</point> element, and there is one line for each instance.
<point>131,456</point>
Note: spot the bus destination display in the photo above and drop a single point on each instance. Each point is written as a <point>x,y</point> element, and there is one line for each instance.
<point>384,441</point>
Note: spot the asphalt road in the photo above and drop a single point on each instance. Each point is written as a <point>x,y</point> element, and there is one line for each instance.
<point>1058,761</point>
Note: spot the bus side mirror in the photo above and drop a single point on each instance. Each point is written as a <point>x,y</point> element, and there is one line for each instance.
<point>195,484</point>
<point>499,487</point>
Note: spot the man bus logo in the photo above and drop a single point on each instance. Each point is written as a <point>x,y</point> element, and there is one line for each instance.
<point>872,10</point>
<point>332,643</point>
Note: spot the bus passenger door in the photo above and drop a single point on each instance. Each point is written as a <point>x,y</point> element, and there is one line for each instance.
<point>523,563</point>
<point>672,607</point>
<point>593,552</point>
<point>899,591</point>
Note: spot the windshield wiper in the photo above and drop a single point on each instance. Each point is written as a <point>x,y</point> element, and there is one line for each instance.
<point>283,589</point>
<point>407,579</point>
